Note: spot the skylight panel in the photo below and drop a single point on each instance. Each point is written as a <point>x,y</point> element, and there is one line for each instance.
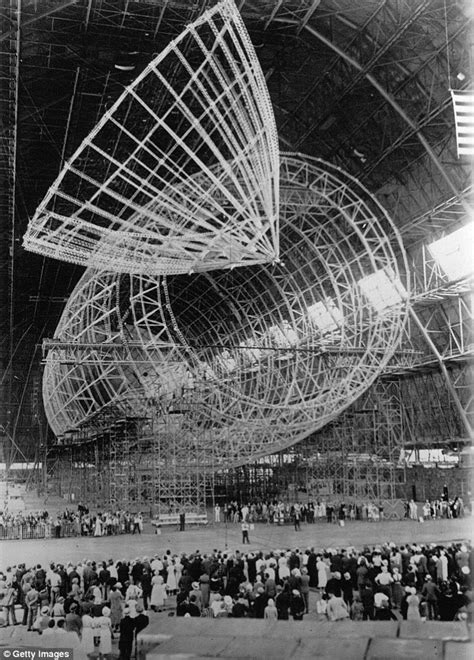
<point>382,291</point>
<point>454,253</point>
<point>325,315</point>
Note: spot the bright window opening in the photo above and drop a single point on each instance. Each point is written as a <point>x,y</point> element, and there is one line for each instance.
<point>226,361</point>
<point>382,291</point>
<point>249,353</point>
<point>455,252</point>
<point>325,315</point>
<point>430,456</point>
<point>283,337</point>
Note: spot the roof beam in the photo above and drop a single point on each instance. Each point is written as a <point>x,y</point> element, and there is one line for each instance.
<point>308,15</point>
<point>369,66</point>
<point>48,12</point>
<point>389,98</point>
<point>273,14</point>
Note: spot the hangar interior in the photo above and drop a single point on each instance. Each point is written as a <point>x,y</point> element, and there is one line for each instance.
<point>104,393</point>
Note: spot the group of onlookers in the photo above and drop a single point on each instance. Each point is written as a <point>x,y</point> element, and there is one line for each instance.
<point>69,523</point>
<point>85,604</point>
<point>80,606</point>
<point>280,512</point>
<point>385,582</point>
<point>435,509</point>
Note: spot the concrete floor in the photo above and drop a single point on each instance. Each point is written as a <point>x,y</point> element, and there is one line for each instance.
<point>305,640</point>
<point>222,536</point>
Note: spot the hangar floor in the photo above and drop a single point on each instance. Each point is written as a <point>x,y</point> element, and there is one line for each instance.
<point>221,536</point>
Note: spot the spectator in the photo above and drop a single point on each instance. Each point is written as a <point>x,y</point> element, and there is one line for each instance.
<point>336,608</point>
<point>297,605</point>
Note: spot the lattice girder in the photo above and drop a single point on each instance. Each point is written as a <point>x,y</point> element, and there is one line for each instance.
<point>262,355</point>
<point>129,198</point>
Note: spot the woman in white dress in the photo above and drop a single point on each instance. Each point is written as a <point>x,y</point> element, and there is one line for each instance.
<point>413,601</point>
<point>104,625</point>
<point>87,634</point>
<point>178,569</point>
<point>97,593</point>
<point>171,585</point>
<point>116,600</point>
<point>158,593</point>
<point>134,592</point>
<point>322,572</point>
<point>98,527</point>
<point>283,568</point>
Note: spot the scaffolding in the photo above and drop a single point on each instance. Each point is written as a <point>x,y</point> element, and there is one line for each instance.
<point>135,464</point>
<point>358,457</point>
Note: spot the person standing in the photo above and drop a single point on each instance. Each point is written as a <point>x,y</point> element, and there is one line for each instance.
<point>217,514</point>
<point>442,567</point>
<point>32,603</point>
<point>127,634</point>
<point>297,606</point>
<point>305,588</point>
<point>296,518</point>
<point>141,620</point>
<point>336,609</point>
<point>158,593</point>
<point>137,520</point>
<point>430,593</point>
<point>413,602</point>
<point>87,636</point>
<point>321,568</point>
<point>8,604</point>
<point>245,532</point>
<point>270,611</point>
<point>182,521</point>
<point>116,598</point>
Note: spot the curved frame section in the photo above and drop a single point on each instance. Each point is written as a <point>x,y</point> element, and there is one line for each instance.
<point>258,357</point>
<point>129,198</point>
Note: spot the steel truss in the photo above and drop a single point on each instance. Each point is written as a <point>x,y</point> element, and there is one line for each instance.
<point>378,40</point>
<point>431,376</point>
<point>56,40</point>
<point>174,178</point>
<point>10,19</point>
<point>269,353</point>
<point>362,456</point>
<point>430,415</point>
<point>132,464</point>
<point>357,457</point>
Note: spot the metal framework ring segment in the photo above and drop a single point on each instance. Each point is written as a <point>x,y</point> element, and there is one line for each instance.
<point>254,359</point>
<point>129,197</point>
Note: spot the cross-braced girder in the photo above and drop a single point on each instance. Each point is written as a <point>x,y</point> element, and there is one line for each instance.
<point>260,356</point>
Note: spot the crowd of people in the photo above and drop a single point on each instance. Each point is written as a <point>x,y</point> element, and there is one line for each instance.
<point>279,512</point>
<point>82,522</point>
<point>435,509</point>
<point>86,604</point>
<point>421,582</point>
